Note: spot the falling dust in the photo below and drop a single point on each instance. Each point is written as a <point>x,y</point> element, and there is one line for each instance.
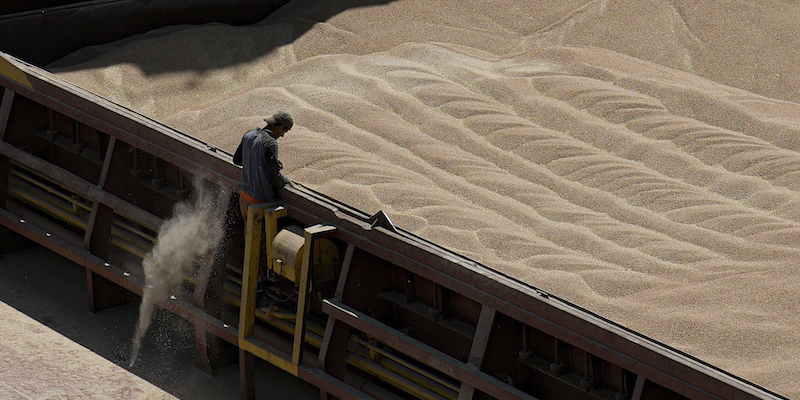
<point>192,234</point>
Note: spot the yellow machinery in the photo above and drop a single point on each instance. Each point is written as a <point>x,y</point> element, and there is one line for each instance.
<point>304,257</point>
<point>285,256</point>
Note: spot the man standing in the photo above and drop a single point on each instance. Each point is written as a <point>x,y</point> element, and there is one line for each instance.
<point>258,156</point>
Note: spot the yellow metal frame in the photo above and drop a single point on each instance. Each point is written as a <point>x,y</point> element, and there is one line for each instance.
<point>263,218</point>
<point>10,71</point>
<point>311,234</point>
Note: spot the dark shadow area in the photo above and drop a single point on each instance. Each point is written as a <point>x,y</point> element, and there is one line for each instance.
<point>52,290</point>
<point>17,6</point>
<point>41,37</point>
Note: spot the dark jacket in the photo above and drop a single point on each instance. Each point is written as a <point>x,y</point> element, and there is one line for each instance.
<point>261,169</point>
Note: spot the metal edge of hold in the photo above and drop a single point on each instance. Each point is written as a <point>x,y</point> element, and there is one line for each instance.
<point>11,71</point>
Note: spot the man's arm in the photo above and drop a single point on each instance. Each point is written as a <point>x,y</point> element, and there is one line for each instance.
<point>237,156</point>
<point>274,166</point>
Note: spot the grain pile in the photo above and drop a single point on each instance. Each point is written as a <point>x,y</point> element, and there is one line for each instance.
<point>639,158</point>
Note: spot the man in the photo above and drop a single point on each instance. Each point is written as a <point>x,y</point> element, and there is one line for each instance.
<point>258,156</point>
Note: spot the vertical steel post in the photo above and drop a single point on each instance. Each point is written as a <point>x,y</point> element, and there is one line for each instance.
<point>479,343</point>
<point>5,163</point>
<point>638,388</point>
<point>271,229</point>
<point>5,111</point>
<point>333,353</point>
<point>208,291</point>
<point>102,293</point>
<point>312,234</point>
<point>247,310</point>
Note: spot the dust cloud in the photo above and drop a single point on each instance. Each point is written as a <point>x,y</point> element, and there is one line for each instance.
<point>192,234</point>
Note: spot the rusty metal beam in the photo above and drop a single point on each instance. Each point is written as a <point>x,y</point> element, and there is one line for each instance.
<point>247,375</point>
<point>311,234</point>
<point>470,374</point>
<point>5,172</point>
<point>101,293</point>
<point>333,353</point>
<point>98,231</point>
<point>247,308</point>
<point>139,131</point>
<point>638,388</point>
<point>116,275</point>
<point>482,333</point>
<point>112,142</point>
<point>207,294</point>
<point>5,110</point>
<point>80,185</point>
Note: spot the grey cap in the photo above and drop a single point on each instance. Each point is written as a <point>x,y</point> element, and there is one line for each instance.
<point>280,118</point>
